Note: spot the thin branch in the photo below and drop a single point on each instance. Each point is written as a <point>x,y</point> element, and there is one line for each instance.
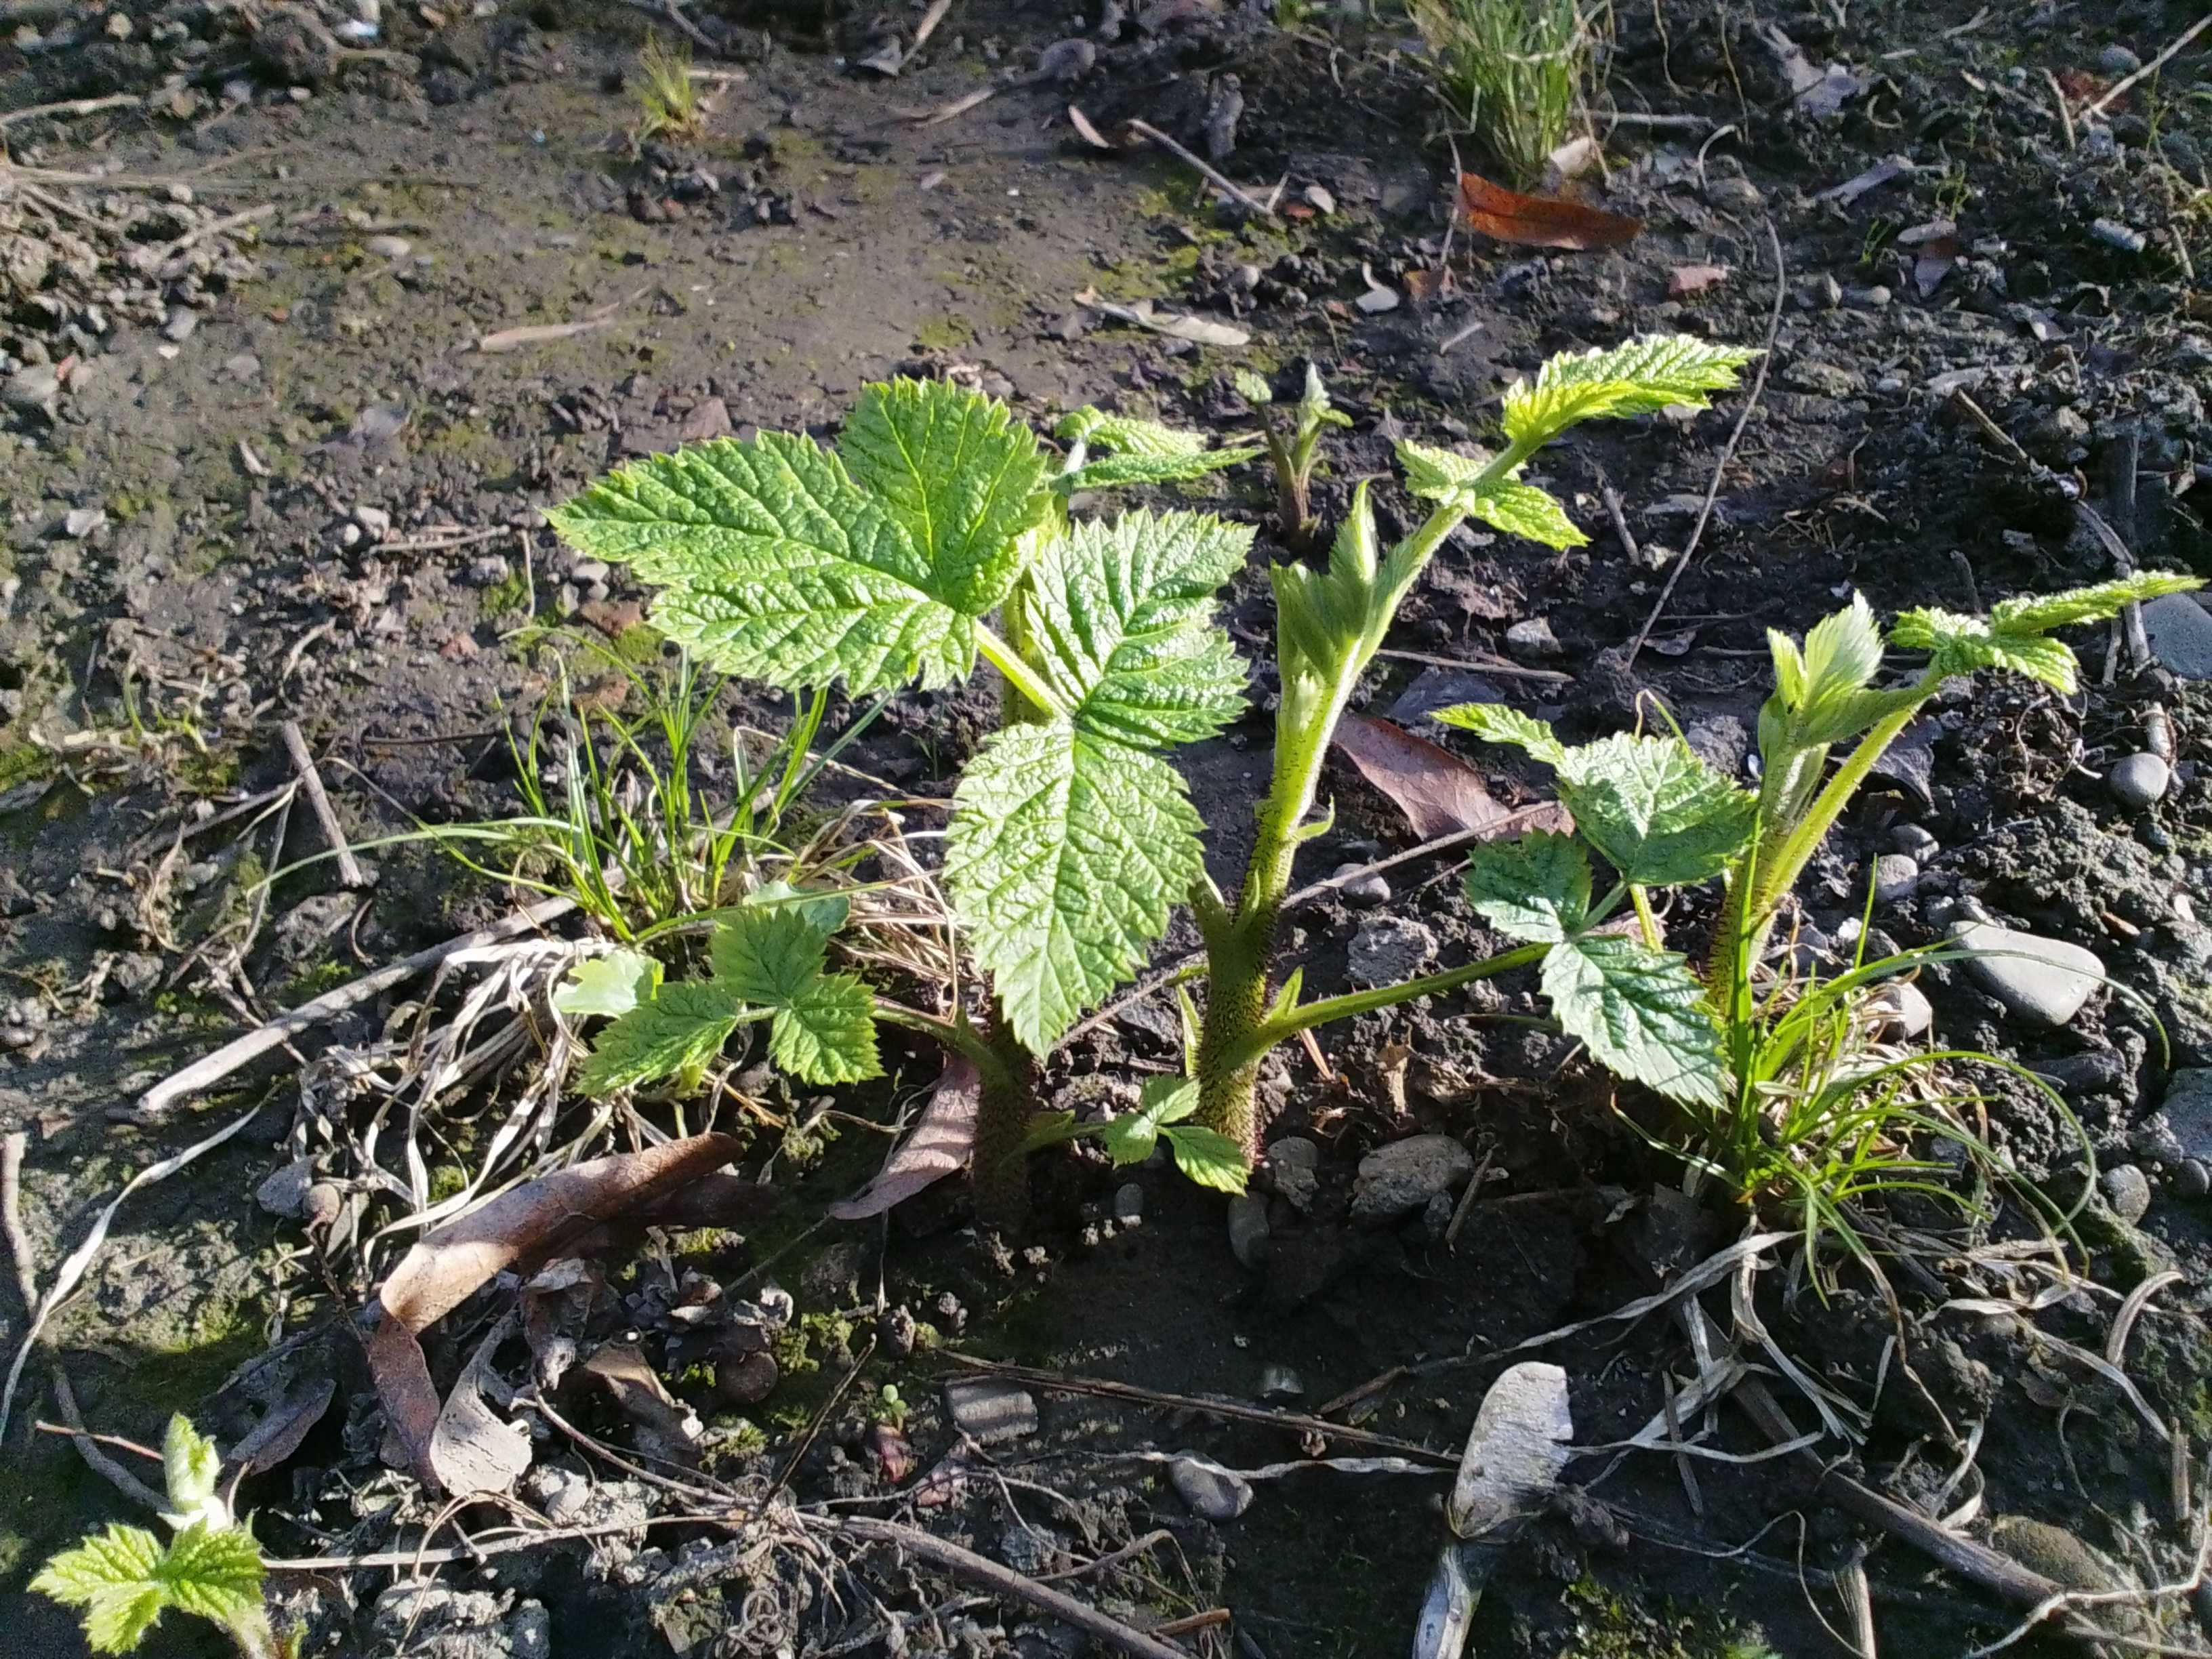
<point>1213,176</point>
<point>350,874</point>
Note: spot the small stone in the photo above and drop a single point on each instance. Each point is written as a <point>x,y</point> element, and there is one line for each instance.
<point>2180,631</point>
<point>2139,780</point>
<point>2155,1141</point>
<point>1281,1383</point>
<point>1914,842</point>
<point>1292,1152</point>
<point>1875,298</point>
<point>2127,1190</point>
<point>1533,639</point>
<point>988,1411</point>
<point>1896,877</point>
<point>2125,239</point>
<point>1211,1492</point>
<point>389,247</point>
<point>1387,950</point>
<point>118,26</point>
<point>179,326</point>
<point>82,521</point>
<point>2117,60</point>
<point>1398,1179</point>
<point>1823,293</point>
<point>2043,980</point>
<point>1248,1240</point>
<point>1365,892</point>
<point>375,523</point>
<point>746,1379</point>
<point>1128,1204</point>
<point>2187,1111</point>
<point>242,366</point>
<point>285,1191</point>
<point>1824,380</point>
<point>487,570</point>
<point>35,390</point>
<point>323,1202</point>
<point>2194,1178</point>
<point>1906,1009</point>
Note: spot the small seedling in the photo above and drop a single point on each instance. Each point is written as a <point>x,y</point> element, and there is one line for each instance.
<point>669,97</point>
<point>890,1406</point>
<point>124,1579</point>
<point>1294,452</point>
<point>1511,71</point>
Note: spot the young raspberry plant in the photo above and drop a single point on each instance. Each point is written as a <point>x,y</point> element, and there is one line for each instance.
<point>1294,450</point>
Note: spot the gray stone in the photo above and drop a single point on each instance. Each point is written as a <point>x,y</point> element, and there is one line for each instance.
<point>2139,780</point>
<point>1292,1152</point>
<point>82,521</point>
<point>1247,1229</point>
<point>1364,893</point>
<point>181,322</point>
<point>2044,981</point>
<point>1128,1204</point>
<point>1904,1008</point>
<point>2122,238</point>
<point>35,390</point>
<point>1281,1383</point>
<point>2193,1179</point>
<point>1387,950</point>
<point>1533,639</point>
<point>2180,631</point>
<point>2117,60</point>
<point>2127,1190</point>
<point>2155,1141</point>
<point>2187,1112</point>
<point>1915,843</point>
<point>389,247</point>
<point>1895,878</point>
<point>1216,1493</point>
<point>1398,1179</point>
<point>285,1191</point>
<point>988,1411</point>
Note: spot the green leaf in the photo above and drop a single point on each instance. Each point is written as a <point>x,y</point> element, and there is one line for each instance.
<point>1132,434</point>
<point>1493,722</point>
<point>1659,815</point>
<point>774,565</point>
<point>1208,1156</point>
<point>1535,888</point>
<point>827,1033</point>
<point>192,1467</point>
<point>1640,1011</point>
<point>1064,853</point>
<point>609,985</point>
<point>959,473</point>
<point>1131,1137</point>
<point>1050,1128</point>
<point>2034,614</point>
<point>1252,388</point>
<point>1315,410</point>
<point>1442,475</point>
<point>766,957</point>
<point>1119,622</point>
<point>1523,510</point>
<point>2015,634</point>
<point>1640,377</point>
<point>113,1579</point>
<point>681,1030</point>
<point>215,1572</point>
<point>1116,472</point>
<point>826,911</point>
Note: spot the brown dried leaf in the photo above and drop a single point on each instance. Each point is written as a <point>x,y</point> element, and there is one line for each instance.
<point>278,1434</point>
<point>1507,215</point>
<point>404,1388</point>
<point>534,1219</point>
<point>1439,793</point>
<point>938,1146</point>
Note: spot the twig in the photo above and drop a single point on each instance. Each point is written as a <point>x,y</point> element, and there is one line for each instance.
<point>1728,453</point>
<point>70,106</point>
<point>1220,180</point>
<point>928,26</point>
<point>240,1051</point>
<point>670,12</point>
<point>2065,111</point>
<point>2119,536</point>
<point>350,874</point>
<point>1614,511</point>
<point>1483,664</point>
<point>11,1217</point>
<point>2119,88</point>
<point>1005,1580</point>
<point>1292,1422</point>
<point>95,1459</point>
<point>1858,1601</point>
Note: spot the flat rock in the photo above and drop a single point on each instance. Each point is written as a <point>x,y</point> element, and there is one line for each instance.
<point>1247,1229</point>
<point>2043,979</point>
<point>1907,1012</point>
<point>989,1411</point>
<point>1398,1180</point>
<point>2127,1190</point>
<point>1387,950</point>
<point>1211,1490</point>
<point>285,1191</point>
<point>2187,1112</point>
<point>2180,631</point>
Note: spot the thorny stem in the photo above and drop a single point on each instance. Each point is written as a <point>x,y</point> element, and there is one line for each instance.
<point>1018,674</point>
<point>1005,1098</point>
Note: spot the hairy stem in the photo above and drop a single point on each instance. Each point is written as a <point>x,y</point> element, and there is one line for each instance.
<point>1005,1105</point>
<point>1018,674</point>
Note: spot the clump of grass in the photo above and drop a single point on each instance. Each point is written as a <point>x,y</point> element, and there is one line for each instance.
<point>669,97</point>
<point>1511,71</point>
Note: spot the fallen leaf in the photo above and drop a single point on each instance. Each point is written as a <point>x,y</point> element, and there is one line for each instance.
<point>1507,215</point>
<point>1142,313</point>
<point>1933,262</point>
<point>937,1146</point>
<point>1085,130</point>
<point>665,1428</point>
<point>1881,173</point>
<point>1321,198</point>
<point>278,1434</point>
<point>1522,1439</point>
<point>1685,280</point>
<point>1425,285</point>
<point>1439,793</point>
<point>533,1219</point>
<point>1911,760</point>
<point>404,1388</point>
<point>1572,158</point>
<point>472,1448</point>
<point>1378,298</point>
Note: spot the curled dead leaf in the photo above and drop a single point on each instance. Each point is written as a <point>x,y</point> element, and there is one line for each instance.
<point>1507,215</point>
<point>1439,793</point>
<point>939,1146</point>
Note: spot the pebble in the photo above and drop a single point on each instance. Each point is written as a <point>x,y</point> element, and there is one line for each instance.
<point>1906,1009</point>
<point>1533,639</point>
<point>1823,293</point>
<point>285,1191</point>
<point>2139,780</point>
<point>82,521</point>
<point>1128,1204</point>
<point>1281,1383</point>
<point>181,323</point>
<point>1400,1179</point>
<point>1871,299</point>
<point>1248,1230</point>
<point>1211,1492</point>
<point>988,1411</point>
<point>2180,631</point>
<point>1387,950</point>
<point>1895,877</point>
<point>1915,843</point>
<point>2114,235</point>
<point>2127,1190</point>
<point>34,390</point>
<point>242,366</point>
<point>2194,1178</point>
<point>2045,980</point>
<point>2187,1112</point>
<point>389,247</point>
<point>2117,60</point>
<point>1292,1152</point>
<point>375,523</point>
<point>1366,892</point>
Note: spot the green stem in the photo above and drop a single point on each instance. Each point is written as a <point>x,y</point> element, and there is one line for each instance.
<point>1280,1028</point>
<point>957,1035</point>
<point>1648,922</point>
<point>1018,674</point>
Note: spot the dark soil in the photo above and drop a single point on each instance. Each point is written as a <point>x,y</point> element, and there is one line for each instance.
<point>231,586</point>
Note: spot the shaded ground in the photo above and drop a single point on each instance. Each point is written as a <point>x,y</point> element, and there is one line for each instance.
<point>233,584</point>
